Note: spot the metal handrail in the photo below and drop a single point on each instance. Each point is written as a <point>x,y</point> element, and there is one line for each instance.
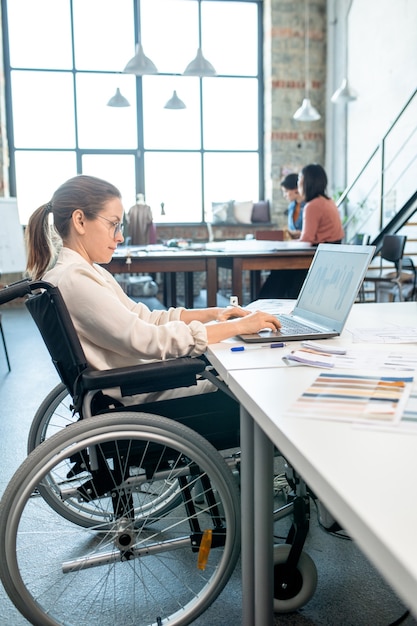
<point>383,167</point>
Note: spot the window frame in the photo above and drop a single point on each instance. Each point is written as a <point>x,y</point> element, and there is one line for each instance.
<point>139,152</point>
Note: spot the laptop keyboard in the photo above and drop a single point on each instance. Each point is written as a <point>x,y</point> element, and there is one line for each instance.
<point>290,326</point>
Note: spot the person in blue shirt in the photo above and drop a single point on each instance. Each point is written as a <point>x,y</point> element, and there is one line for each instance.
<point>289,186</point>
<point>287,283</point>
<point>320,224</point>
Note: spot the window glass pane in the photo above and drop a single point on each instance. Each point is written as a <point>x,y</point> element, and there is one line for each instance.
<point>174,179</point>
<point>174,24</point>
<point>43,109</point>
<point>49,115</point>
<point>171,128</point>
<point>230,108</point>
<point>230,177</point>
<point>230,36</point>
<point>38,175</point>
<point>40,34</point>
<point>104,35</point>
<point>101,126</point>
<point>118,169</point>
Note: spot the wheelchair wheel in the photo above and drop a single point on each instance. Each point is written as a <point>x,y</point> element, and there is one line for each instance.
<point>53,415</point>
<point>292,592</point>
<point>134,569</point>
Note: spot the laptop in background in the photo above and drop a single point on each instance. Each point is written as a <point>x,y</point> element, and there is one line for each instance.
<point>326,297</point>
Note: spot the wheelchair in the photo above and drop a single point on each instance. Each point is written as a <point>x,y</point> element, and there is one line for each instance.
<point>137,508</point>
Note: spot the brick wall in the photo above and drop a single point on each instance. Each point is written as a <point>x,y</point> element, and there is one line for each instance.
<point>290,144</point>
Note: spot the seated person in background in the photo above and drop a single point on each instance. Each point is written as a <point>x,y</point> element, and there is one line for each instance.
<point>321,224</point>
<point>321,218</point>
<point>289,186</point>
<point>114,330</point>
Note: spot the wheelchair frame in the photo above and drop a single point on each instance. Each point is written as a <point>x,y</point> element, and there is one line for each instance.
<point>130,479</point>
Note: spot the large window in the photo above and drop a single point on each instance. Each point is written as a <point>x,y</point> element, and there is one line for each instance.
<point>64,60</point>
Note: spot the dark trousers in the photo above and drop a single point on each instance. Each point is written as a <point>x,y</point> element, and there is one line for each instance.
<point>283,284</point>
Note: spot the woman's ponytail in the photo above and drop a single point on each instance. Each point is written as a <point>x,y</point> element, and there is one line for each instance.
<point>40,242</point>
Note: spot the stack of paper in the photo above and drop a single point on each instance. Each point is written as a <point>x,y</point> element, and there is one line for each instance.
<point>328,357</point>
<point>354,398</point>
<point>314,354</point>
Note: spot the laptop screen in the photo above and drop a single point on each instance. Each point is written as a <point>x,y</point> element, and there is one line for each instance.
<point>332,283</point>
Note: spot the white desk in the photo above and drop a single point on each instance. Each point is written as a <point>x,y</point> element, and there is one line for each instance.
<point>351,469</point>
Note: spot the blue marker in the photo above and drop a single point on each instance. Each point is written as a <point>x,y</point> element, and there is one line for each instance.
<point>270,345</point>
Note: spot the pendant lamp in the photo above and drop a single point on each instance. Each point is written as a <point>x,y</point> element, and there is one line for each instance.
<point>175,102</point>
<point>118,100</point>
<point>306,112</point>
<point>140,64</point>
<point>199,66</point>
<point>344,94</point>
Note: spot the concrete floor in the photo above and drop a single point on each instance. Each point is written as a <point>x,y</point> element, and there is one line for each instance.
<point>349,592</point>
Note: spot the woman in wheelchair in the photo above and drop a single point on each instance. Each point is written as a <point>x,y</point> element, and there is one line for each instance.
<point>115,331</point>
<point>137,507</point>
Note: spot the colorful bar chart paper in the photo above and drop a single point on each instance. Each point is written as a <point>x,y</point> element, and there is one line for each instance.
<point>355,398</point>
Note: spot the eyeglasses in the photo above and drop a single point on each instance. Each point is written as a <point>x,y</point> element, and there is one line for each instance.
<point>118,226</point>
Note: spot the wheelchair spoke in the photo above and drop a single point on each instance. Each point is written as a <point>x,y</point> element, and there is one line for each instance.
<point>134,563</point>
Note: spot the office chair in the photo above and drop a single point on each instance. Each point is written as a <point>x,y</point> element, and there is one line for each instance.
<point>139,509</point>
<point>392,250</point>
<point>408,279</point>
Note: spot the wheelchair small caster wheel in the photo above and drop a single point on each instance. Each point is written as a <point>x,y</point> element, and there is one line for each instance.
<point>291,592</point>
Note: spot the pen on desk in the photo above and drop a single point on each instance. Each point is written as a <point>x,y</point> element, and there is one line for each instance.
<point>270,345</point>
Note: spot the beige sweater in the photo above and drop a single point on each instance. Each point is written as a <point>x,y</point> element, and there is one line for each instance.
<point>114,330</point>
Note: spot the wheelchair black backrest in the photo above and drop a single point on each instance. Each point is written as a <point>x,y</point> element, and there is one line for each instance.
<point>55,325</point>
<point>214,415</point>
<point>53,320</point>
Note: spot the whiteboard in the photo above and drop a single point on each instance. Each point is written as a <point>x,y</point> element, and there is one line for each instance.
<point>12,245</point>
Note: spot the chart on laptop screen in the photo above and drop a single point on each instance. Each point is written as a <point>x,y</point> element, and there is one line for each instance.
<point>336,276</point>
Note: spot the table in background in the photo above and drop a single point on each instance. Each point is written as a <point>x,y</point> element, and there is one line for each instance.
<point>169,261</point>
<point>350,469</point>
<point>244,255</point>
<point>255,262</point>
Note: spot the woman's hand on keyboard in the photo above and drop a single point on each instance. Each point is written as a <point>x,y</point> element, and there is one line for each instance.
<point>256,321</point>
<point>252,323</point>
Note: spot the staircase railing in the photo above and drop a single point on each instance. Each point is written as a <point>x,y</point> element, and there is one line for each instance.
<point>387,181</point>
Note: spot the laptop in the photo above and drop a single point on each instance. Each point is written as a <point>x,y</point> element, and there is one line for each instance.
<point>326,297</point>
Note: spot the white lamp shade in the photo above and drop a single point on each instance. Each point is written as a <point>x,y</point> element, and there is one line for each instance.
<point>118,100</point>
<point>199,66</point>
<point>140,64</point>
<point>306,112</point>
<point>344,93</point>
<point>175,102</point>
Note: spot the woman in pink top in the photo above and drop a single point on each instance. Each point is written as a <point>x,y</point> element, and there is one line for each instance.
<point>321,221</point>
<point>321,224</point>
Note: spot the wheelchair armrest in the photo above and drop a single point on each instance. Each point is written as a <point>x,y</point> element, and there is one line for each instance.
<point>146,377</point>
<point>15,290</point>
